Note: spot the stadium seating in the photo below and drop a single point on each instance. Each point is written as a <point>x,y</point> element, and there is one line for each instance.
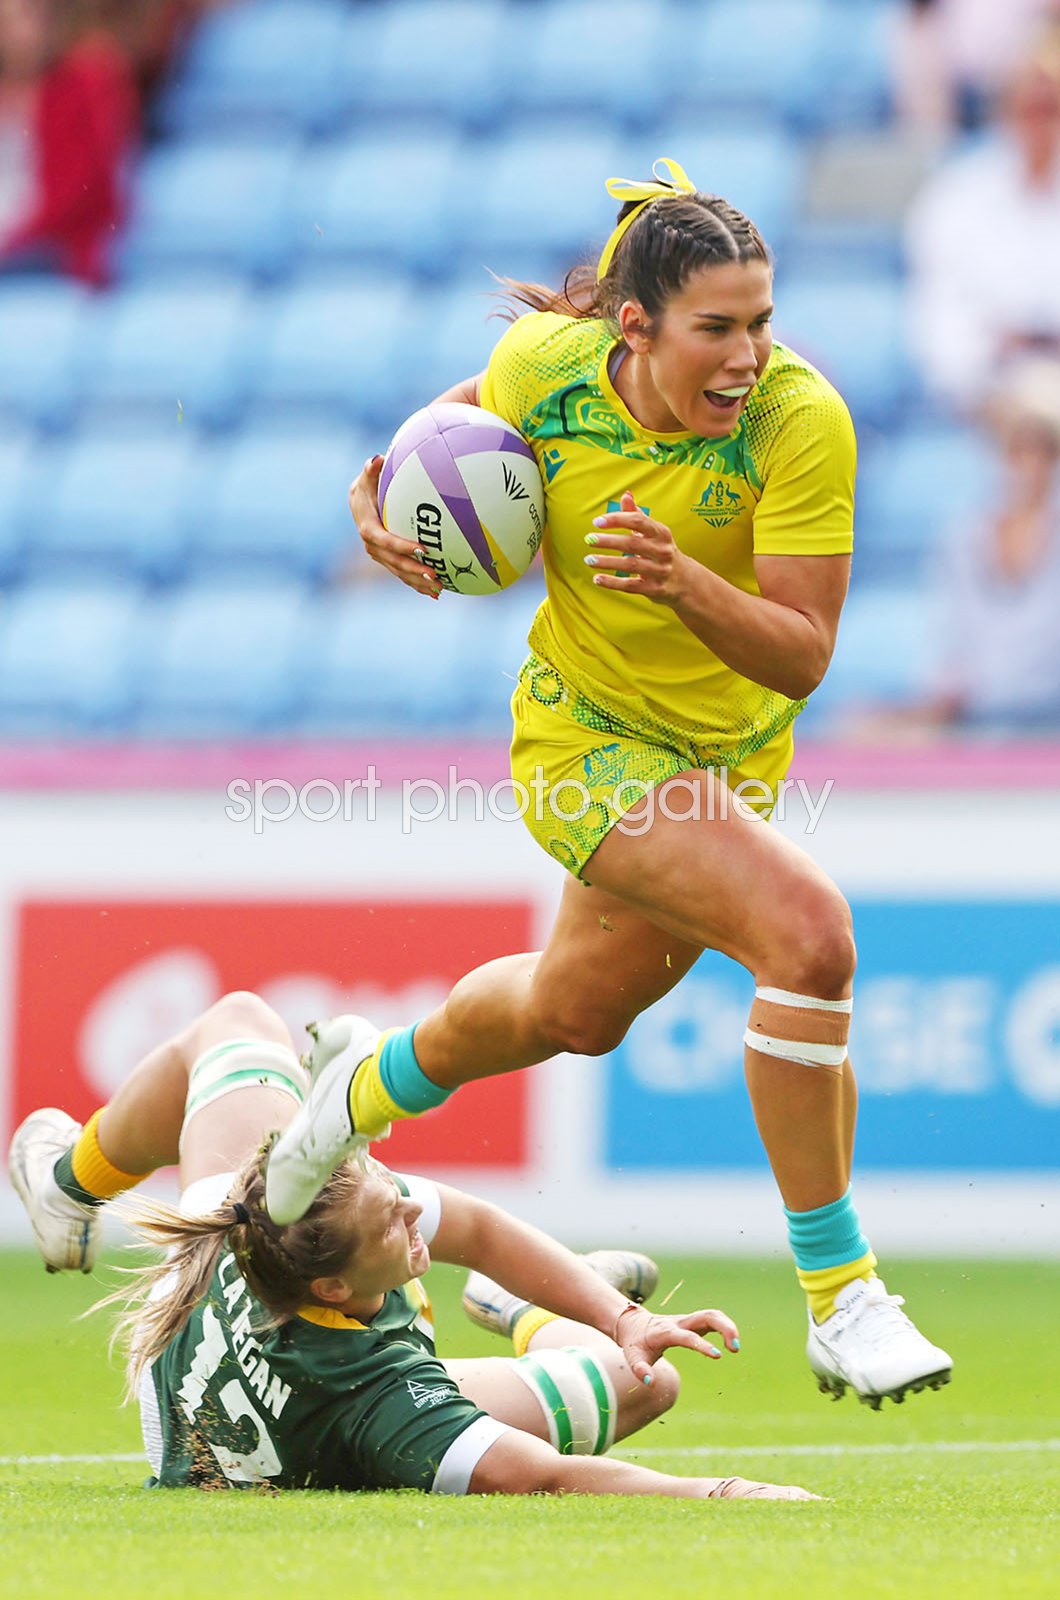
<point>854,330</point>
<point>180,350</point>
<point>336,346</point>
<point>219,657</point>
<point>272,64</point>
<point>66,653</point>
<point>219,203</point>
<point>913,487</point>
<point>273,502</point>
<point>421,61</point>
<point>18,454</point>
<point>309,259</point>
<point>383,197</point>
<point>110,503</point>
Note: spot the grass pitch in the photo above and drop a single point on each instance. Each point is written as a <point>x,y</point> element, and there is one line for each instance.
<point>955,1494</point>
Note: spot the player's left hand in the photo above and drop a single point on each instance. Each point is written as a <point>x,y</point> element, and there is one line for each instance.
<point>635,554</point>
<point>643,1336</point>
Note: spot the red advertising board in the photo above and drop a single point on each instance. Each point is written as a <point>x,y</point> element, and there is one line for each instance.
<point>100,983</point>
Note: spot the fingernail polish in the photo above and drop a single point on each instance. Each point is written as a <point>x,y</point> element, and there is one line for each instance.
<point>590,561</point>
<point>599,522</point>
<point>736,1344</point>
<point>591,538</point>
<point>648,1380</point>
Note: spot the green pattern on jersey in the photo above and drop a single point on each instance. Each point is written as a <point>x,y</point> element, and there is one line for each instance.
<point>325,1404</point>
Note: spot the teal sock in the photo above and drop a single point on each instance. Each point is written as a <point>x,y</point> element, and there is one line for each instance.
<point>828,1237</point>
<point>404,1079</point>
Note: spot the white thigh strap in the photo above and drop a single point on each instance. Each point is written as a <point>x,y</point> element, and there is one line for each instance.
<point>576,1395</point>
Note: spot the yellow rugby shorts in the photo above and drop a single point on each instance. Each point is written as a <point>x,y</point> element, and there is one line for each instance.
<point>577,769</point>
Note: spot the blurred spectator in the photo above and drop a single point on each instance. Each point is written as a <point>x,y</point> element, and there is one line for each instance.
<point>68,123</point>
<point>952,57</point>
<point>153,32</point>
<point>983,238</point>
<point>998,582</point>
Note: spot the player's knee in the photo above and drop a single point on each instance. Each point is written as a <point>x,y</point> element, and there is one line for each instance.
<point>586,1033</point>
<point>820,954</point>
<point>244,1014</point>
<point>664,1390</point>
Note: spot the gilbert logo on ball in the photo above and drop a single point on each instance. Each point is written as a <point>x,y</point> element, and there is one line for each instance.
<point>465,486</point>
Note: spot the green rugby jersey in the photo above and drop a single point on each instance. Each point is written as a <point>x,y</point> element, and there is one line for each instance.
<point>321,1402</point>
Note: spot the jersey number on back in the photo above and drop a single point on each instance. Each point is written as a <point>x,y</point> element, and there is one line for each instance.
<point>211,1350</point>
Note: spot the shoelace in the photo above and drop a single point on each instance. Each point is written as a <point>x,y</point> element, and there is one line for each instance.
<point>879,1319</point>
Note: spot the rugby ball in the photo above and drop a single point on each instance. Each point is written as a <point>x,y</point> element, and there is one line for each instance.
<point>464,485</point>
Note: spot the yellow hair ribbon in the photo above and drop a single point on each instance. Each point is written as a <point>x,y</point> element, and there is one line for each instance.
<point>676,181</point>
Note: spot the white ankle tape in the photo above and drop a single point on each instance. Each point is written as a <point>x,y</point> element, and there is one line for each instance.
<point>576,1395</point>
<point>242,1064</point>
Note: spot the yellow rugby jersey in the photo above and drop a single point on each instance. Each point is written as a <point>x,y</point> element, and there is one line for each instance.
<point>781,483</point>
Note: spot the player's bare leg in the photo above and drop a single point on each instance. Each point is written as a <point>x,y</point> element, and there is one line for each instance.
<point>64,1173</point>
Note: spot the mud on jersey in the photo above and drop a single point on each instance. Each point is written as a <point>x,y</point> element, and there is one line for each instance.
<point>323,1401</point>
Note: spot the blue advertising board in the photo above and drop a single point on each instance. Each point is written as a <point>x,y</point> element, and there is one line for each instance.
<point>955,1041</point>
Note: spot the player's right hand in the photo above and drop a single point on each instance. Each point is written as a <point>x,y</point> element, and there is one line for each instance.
<point>746,1489</point>
<point>398,556</point>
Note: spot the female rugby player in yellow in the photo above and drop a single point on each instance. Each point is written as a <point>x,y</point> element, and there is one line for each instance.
<point>699,484</point>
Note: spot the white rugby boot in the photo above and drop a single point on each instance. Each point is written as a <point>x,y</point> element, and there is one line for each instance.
<point>869,1343</point>
<point>68,1233</point>
<point>493,1307</point>
<point>636,1276</point>
<point>322,1134</point>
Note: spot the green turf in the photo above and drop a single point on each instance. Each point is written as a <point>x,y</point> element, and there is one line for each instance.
<point>910,1520</point>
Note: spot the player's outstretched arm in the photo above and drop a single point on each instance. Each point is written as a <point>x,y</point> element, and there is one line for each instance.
<point>520,1464</point>
<point>538,1269</point>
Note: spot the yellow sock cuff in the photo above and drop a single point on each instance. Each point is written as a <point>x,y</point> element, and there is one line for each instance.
<point>527,1324</point>
<point>824,1284</point>
<point>371,1108</point>
<point>91,1168</point>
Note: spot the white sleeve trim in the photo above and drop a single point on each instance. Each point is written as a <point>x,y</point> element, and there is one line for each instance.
<point>464,1454</point>
<point>426,1194</point>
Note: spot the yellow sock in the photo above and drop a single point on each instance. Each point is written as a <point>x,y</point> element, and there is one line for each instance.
<point>91,1169</point>
<point>823,1285</point>
<point>371,1108</point>
<point>527,1323</point>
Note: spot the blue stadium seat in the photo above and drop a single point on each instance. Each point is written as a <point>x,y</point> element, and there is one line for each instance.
<point>746,57</point>
<point>850,76</point>
<point>383,197</point>
<point>220,203</point>
<point>274,500</point>
<point>256,66</point>
<point>456,333</point>
<point>108,503</point>
<point>386,659</point>
<point>541,186</point>
<point>19,452</point>
<point>333,345</point>
<point>756,165</point>
<point>65,655</point>
<point>854,330</point>
<point>884,652</point>
<point>420,59</point>
<point>606,58</point>
<point>40,322</point>
<point>913,486</point>
<point>182,349</point>
<point>222,658</point>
